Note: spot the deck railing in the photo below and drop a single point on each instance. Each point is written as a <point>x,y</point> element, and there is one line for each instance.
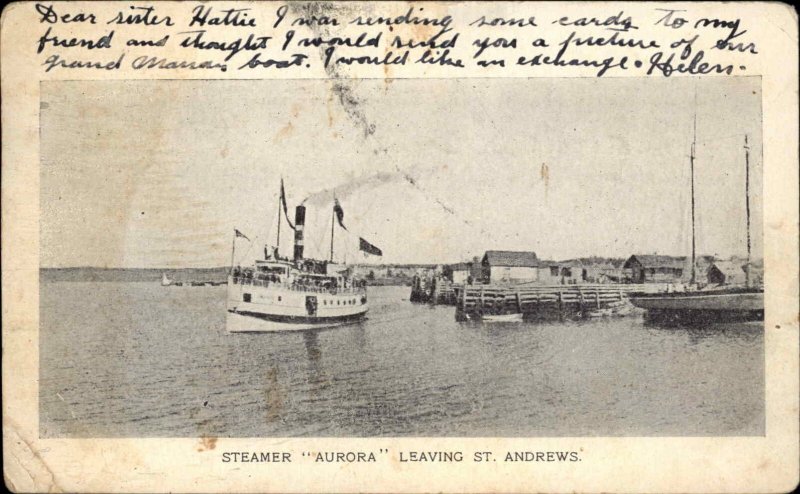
<point>240,280</point>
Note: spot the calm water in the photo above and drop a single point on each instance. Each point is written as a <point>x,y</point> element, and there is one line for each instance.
<point>136,359</point>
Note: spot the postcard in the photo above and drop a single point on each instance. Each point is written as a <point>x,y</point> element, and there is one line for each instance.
<point>400,247</point>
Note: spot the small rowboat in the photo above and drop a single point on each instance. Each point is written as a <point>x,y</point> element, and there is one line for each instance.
<point>502,317</point>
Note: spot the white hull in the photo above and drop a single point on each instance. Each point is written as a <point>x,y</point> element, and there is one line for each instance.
<point>273,307</point>
<point>239,323</point>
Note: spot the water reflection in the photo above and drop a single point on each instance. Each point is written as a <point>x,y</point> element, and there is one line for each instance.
<point>696,332</point>
<point>701,319</point>
<point>316,377</point>
<point>358,335</point>
<point>275,395</point>
<point>311,342</point>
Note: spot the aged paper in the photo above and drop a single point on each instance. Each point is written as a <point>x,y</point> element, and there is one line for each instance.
<point>400,247</point>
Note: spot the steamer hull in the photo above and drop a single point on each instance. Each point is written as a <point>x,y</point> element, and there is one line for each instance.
<point>265,307</point>
<point>245,322</point>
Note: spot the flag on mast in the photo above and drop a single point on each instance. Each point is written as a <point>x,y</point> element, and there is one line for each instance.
<point>285,208</point>
<point>238,234</point>
<point>337,209</point>
<point>367,247</point>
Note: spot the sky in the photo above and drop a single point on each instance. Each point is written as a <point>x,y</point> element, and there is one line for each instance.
<point>158,174</point>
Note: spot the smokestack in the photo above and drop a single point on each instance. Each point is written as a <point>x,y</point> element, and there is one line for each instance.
<point>299,226</point>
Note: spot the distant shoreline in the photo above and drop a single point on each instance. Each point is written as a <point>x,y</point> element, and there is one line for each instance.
<point>79,274</point>
<point>153,275</point>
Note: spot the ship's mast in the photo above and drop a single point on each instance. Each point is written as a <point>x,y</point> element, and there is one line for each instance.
<point>747,205</point>
<point>333,222</point>
<point>233,251</point>
<point>278,241</point>
<point>691,161</point>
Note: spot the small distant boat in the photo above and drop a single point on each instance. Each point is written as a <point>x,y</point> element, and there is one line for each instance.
<point>614,309</point>
<point>600,313</point>
<point>502,317</point>
<point>165,281</point>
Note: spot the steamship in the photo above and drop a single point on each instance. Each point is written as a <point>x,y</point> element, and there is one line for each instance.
<point>282,294</point>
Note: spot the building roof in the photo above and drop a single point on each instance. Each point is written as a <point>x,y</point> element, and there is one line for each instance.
<point>729,268</point>
<point>602,262</point>
<point>608,266</point>
<point>511,258</point>
<point>461,266</point>
<point>657,261</point>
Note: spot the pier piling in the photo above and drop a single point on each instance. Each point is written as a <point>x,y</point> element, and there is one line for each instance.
<point>472,301</point>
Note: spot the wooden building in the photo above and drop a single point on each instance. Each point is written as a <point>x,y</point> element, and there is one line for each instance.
<point>726,273</point>
<point>549,273</point>
<point>460,272</point>
<point>390,270</point>
<point>476,269</point>
<point>651,268</point>
<point>604,270</point>
<point>734,272</point>
<point>756,269</point>
<point>572,272</point>
<point>579,271</point>
<point>504,266</point>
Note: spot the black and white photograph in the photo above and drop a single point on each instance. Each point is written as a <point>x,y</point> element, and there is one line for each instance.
<point>373,247</point>
<point>479,258</point>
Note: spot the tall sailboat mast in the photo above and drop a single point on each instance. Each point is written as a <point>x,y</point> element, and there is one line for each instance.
<point>691,161</point>
<point>278,240</point>
<point>333,222</point>
<point>233,251</point>
<point>747,205</point>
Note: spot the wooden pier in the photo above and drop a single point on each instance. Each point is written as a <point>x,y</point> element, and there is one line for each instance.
<point>475,301</point>
<point>433,290</point>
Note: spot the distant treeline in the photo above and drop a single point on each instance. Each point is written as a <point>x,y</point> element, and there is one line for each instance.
<point>395,266</point>
<point>393,281</point>
<point>132,274</point>
<point>593,260</point>
<point>189,274</point>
